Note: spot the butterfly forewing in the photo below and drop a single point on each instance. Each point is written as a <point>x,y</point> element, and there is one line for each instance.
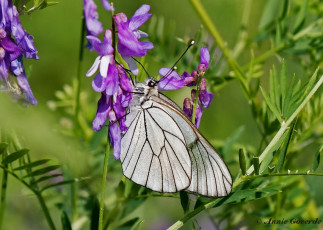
<point>153,150</point>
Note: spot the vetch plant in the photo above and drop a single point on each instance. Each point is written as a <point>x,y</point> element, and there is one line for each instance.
<point>14,43</point>
<point>258,73</point>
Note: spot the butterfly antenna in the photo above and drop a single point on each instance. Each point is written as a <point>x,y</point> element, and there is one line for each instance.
<point>142,66</point>
<point>173,67</point>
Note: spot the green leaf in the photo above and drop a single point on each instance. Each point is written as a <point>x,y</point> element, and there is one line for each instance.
<point>95,215</point>
<point>58,184</point>
<point>137,225</point>
<point>284,148</point>
<point>240,196</point>
<point>127,225</point>
<point>270,105</point>
<point>184,200</point>
<point>242,161</point>
<point>3,147</point>
<point>288,97</point>
<point>46,178</point>
<point>121,189</point>
<point>231,140</point>
<point>66,224</point>
<point>255,162</point>
<point>32,164</point>
<point>300,17</point>
<point>317,158</point>
<point>43,170</point>
<point>265,162</point>
<point>14,156</point>
<point>270,12</point>
<point>283,84</point>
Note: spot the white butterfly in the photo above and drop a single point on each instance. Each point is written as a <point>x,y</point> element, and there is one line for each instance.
<point>163,150</point>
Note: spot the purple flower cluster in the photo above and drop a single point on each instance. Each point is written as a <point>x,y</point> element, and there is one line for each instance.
<point>172,81</point>
<point>15,42</point>
<point>129,45</point>
<point>112,80</point>
<point>196,78</point>
<point>93,25</point>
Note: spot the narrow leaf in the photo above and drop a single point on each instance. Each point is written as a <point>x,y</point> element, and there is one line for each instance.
<point>276,90</point>
<point>128,224</point>
<point>46,178</point>
<point>269,13</point>
<point>137,225</point>
<point>288,97</point>
<point>14,156</point>
<point>43,170</point>
<point>3,147</point>
<point>317,158</point>
<point>283,84</point>
<point>301,17</point>
<point>66,224</point>
<point>121,189</point>
<point>95,215</point>
<point>242,161</point>
<point>268,158</point>
<point>284,148</point>
<point>184,200</point>
<point>255,161</point>
<point>58,184</point>
<point>272,107</point>
<point>32,164</point>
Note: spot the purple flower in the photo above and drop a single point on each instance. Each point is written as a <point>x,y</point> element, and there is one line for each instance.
<point>23,39</point>
<point>15,41</point>
<point>115,87</point>
<point>129,35</point>
<point>106,4</point>
<point>170,80</point>
<point>107,78</point>
<point>93,25</point>
<point>188,108</point>
<point>204,97</point>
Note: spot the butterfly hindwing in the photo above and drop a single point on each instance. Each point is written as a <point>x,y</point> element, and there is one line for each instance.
<point>210,175</point>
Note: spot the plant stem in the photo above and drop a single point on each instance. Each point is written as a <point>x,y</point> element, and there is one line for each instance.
<point>220,42</point>
<point>4,183</point>
<point>195,103</point>
<point>285,125</point>
<point>45,210</point>
<point>104,182</point>
<point>78,74</point>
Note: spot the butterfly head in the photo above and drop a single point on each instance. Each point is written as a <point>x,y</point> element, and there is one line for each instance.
<point>151,87</point>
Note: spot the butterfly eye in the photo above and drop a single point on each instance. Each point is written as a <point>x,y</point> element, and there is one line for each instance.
<point>151,84</point>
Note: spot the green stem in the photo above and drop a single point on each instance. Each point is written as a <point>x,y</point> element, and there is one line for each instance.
<point>220,42</point>
<point>104,182</point>
<point>195,103</point>
<point>285,125</point>
<point>4,183</point>
<point>46,211</point>
<point>78,74</point>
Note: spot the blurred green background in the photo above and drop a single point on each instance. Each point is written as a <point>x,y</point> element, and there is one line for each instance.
<point>56,32</point>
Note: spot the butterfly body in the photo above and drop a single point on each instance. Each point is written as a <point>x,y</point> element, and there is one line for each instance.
<point>162,149</point>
